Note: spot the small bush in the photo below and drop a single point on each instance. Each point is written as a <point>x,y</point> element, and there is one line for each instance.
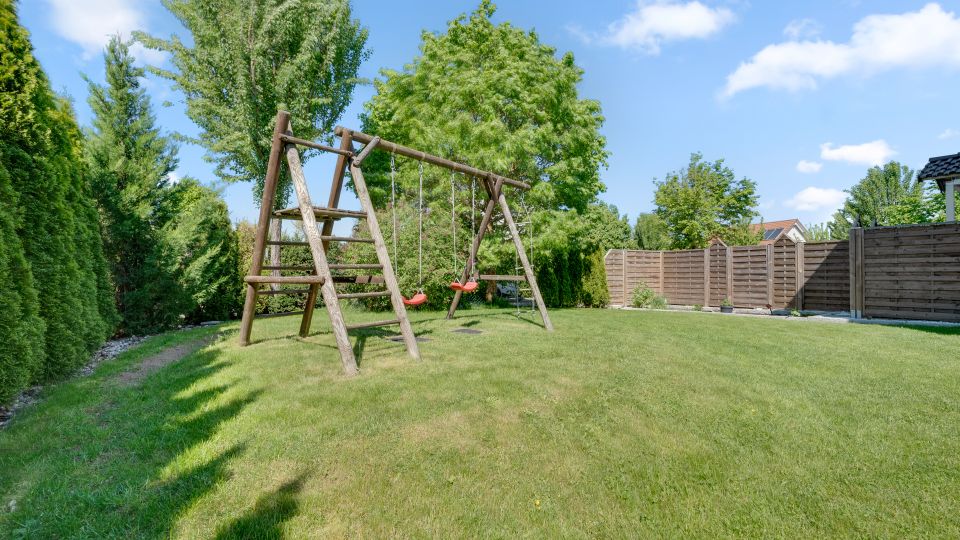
<point>697,307</point>
<point>645,297</point>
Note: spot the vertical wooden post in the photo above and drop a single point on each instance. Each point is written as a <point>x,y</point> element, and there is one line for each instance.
<point>492,192</point>
<point>856,272</point>
<point>770,269</point>
<point>266,209</point>
<point>799,250</point>
<point>660,275</point>
<point>384,257</point>
<point>531,278</point>
<point>275,236</point>
<point>706,277</point>
<point>623,254</point>
<point>328,288</point>
<point>730,274</point>
<point>336,187</point>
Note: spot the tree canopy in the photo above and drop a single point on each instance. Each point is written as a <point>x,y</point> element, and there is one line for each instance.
<point>250,58</point>
<point>888,195</point>
<point>704,201</point>
<point>494,97</point>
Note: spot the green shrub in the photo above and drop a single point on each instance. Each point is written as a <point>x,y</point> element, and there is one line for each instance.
<point>697,307</point>
<point>595,293</point>
<point>645,297</point>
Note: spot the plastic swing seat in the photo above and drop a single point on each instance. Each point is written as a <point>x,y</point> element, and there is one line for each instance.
<point>416,300</point>
<point>469,286</point>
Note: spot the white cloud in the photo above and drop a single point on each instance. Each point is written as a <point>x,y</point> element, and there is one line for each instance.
<point>653,23</point>
<point>173,178</point>
<point>811,199</point>
<point>926,38</point>
<point>871,153</point>
<point>948,133</point>
<point>802,29</point>
<point>809,167</point>
<point>90,23</point>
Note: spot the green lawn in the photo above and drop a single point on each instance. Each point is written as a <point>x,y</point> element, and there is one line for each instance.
<point>619,424</point>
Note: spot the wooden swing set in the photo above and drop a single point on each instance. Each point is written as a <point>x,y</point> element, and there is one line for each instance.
<point>323,281</point>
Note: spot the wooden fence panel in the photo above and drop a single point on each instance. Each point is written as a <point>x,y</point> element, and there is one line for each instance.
<point>750,276</point>
<point>613,265</point>
<point>826,273</point>
<point>642,267</point>
<point>683,281</point>
<point>912,272</point>
<point>718,274</point>
<point>785,282</point>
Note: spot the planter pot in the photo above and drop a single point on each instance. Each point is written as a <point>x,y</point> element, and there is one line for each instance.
<point>726,309</point>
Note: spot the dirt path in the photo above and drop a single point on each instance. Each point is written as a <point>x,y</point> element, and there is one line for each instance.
<point>154,363</point>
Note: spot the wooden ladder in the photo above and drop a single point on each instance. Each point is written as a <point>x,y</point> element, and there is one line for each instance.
<point>322,281</point>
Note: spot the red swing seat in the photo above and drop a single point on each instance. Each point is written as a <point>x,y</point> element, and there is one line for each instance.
<point>469,286</point>
<point>416,300</point>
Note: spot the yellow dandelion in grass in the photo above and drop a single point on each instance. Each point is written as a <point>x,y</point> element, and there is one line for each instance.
<point>537,503</point>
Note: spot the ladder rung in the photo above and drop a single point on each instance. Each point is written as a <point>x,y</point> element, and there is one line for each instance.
<point>285,291</point>
<point>322,237</point>
<point>288,267</point>
<point>320,211</point>
<point>359,280</point>
<point>497,277</point>
<point>281,314</point>
<point>356,266</point>
<point>298,280</point>
<point>371,294</point>
<point>372,324</point>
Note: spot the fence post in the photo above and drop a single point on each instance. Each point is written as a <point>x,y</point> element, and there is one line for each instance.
<point>623,274</point>
<point>706,277</point>
<point>660,279</point>
<point>770,260</point>
<point>730,274</point>
<point>799,254</point>
<point>856,272</point>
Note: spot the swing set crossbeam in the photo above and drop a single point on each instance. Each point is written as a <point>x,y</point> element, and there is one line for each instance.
<point>405,151</point>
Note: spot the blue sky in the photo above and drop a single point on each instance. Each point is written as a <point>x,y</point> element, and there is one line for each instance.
<point>801,97</point>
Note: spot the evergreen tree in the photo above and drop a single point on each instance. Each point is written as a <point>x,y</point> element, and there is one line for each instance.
<point>53,220</point>
<point>249,58</point>
<point>201,251</point>
<point>129,165</point>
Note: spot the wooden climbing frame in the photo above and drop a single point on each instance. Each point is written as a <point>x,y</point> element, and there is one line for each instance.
<point>323,281</point>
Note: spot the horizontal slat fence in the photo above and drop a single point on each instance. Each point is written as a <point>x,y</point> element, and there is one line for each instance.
<point>826,275</point>
<point>911,272</point>
<point>750,276</point>
<point>903,272</point>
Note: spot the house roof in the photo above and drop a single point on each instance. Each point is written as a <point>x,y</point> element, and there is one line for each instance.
<point>940,169</point>
<point>775,230</point>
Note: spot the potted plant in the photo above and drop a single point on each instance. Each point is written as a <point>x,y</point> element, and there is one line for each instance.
<point>726,306</point>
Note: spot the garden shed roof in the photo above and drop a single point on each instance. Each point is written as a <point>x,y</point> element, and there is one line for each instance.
<point>941,169</point>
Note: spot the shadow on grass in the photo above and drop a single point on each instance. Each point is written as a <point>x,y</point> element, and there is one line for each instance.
<point>265,520</point>
<point>130,465</point>
<point>362,336</point>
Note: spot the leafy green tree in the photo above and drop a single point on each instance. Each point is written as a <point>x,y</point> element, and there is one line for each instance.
<point>249,58</point>
<point>200,249</point>
<point>494,97</point>
<point>875,198</point>
<point>53,252</point>
<point>705,201</point>
<point>129,164</point>
<point>650,232</point>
